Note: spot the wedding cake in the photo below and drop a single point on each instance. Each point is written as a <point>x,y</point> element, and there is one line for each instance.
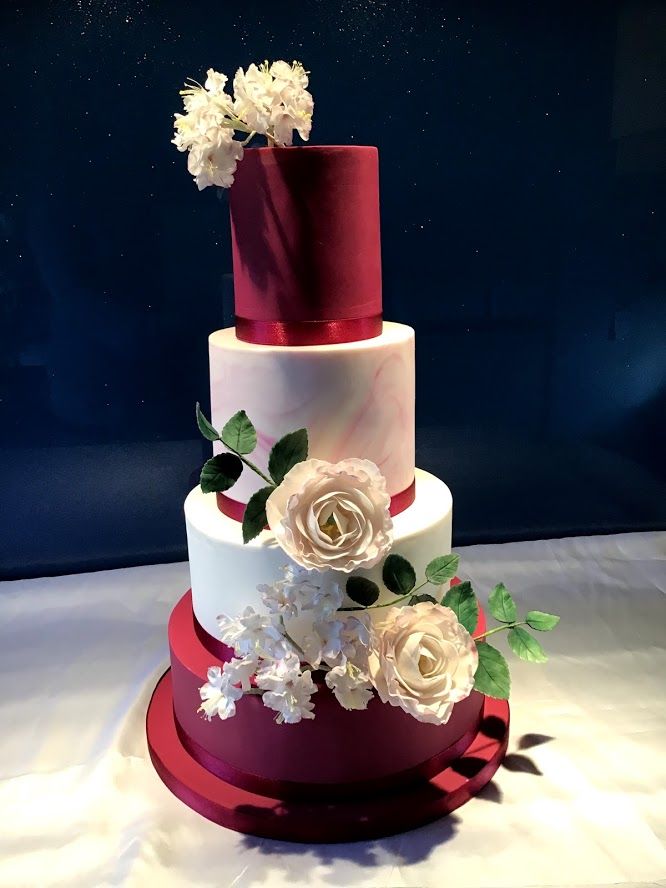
<point>330,678</point>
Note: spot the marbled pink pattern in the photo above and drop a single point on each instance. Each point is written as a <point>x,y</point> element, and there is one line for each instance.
<point>356,399</point>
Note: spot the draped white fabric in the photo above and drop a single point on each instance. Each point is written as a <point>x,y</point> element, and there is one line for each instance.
<point>580,799</point>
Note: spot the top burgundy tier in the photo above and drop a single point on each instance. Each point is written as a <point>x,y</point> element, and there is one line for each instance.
<point>306,251</point>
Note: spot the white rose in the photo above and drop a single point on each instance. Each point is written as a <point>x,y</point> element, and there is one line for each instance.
<point>336,516</point>
<point>423,660</point>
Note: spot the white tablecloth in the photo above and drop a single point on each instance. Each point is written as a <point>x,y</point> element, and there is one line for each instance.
<point>580,800</point>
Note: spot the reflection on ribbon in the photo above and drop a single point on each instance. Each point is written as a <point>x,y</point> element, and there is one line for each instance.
<point>308,332</point>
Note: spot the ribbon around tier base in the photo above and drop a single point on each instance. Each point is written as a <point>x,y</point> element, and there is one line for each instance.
<point>290,789</point>
<point>234,509</point>
<point>308,332</point>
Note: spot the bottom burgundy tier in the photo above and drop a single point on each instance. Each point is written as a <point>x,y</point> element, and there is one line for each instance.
<point>344,775</point>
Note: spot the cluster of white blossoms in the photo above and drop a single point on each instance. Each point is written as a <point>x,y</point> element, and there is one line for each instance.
<point>336,642</point>
<point>417,657</point>
<point>268,100</point>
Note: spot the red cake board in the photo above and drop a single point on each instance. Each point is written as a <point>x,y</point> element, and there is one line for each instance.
<point>306,821</point>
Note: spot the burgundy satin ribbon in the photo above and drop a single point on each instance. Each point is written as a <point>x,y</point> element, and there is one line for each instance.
<point>290,789</point>
<point>234,509</point>
<point>213,645</point>
<point>308,332</point>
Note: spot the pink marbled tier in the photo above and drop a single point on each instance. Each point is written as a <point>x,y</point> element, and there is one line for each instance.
<point>356,399</point>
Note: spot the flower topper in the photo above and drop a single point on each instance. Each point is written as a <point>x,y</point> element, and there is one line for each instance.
<point>269,100</point>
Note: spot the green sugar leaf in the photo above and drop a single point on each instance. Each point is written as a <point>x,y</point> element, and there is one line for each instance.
<point>205,427</point>
<point>492,674</point>
<point>398,575</point>
<point>254,519</point>
<point>362,591</point>
<point>502,606</point>
<point>220,473</point>
<point>442,569</point>
<point>526,646</point>
<point>462,601</point>
<point>540,621</point>
<point>239,434</point>
<point>286,453</point>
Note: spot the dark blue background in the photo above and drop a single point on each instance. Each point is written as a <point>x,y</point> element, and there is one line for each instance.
<point>523,168</point>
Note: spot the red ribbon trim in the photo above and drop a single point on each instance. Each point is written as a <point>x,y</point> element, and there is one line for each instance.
<point>290,789</point>
<point>214,646</point>
<point>308,332</point>
<point>234,509</point>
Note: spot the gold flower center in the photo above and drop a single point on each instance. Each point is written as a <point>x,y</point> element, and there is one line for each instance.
<point>330,527</point>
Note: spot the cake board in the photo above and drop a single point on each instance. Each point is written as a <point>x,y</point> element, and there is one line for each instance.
<point>346,820</point>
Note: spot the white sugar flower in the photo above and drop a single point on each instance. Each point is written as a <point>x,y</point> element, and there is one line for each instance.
<point>288,77</point>
<point>274,100</point>
<point>316,592</point>
<point>332,515</point>
<point>302,590</point>
<point>241,670</point>
<point>294,109</point>
<point>324,643</point>
<point>336,642</point>
<point>253,634</point>
<point>351,686</point>
<point>215,83</point>
<point>213,161</point>
<point>423,660</point>
<point>280,597</point>
<point>269,100</point>
<point>253,97</point>
<point>206,131</point>
<point>219,694</point>
<point>287,690</point>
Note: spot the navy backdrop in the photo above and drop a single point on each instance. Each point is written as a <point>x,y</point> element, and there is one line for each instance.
<point>523,172</point>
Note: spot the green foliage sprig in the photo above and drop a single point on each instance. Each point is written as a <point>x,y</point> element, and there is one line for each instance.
<point>221,472</point>
<point>492,675</point>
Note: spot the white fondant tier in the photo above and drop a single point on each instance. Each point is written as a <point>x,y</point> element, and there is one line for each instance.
<point>356,399</point>
<point>225,573</point>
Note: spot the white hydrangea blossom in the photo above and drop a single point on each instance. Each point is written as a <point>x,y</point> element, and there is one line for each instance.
<point>205,130</point>
<point>287,690</point>
<point>350,685</point>
<point>253,97</point>
<point>214,160</point>
<point>280,597</point>
<point>338,641</point>
<point>241,670</point>
<point>219,694</point>
<point>302,590</point>
<point>270,100</point>
<point>253,634</point>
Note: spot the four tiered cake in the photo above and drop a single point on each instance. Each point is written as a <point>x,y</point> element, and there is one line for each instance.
<point>330,678</point>
<point>310,350</point>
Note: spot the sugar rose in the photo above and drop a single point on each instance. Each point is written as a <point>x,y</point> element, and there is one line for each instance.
<point>423,660</point>
<point>332,515</point>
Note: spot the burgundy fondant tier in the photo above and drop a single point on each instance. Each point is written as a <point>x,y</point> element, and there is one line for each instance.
<point>321,820</point>
<point>306,245</point>
<point>338,754</point>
